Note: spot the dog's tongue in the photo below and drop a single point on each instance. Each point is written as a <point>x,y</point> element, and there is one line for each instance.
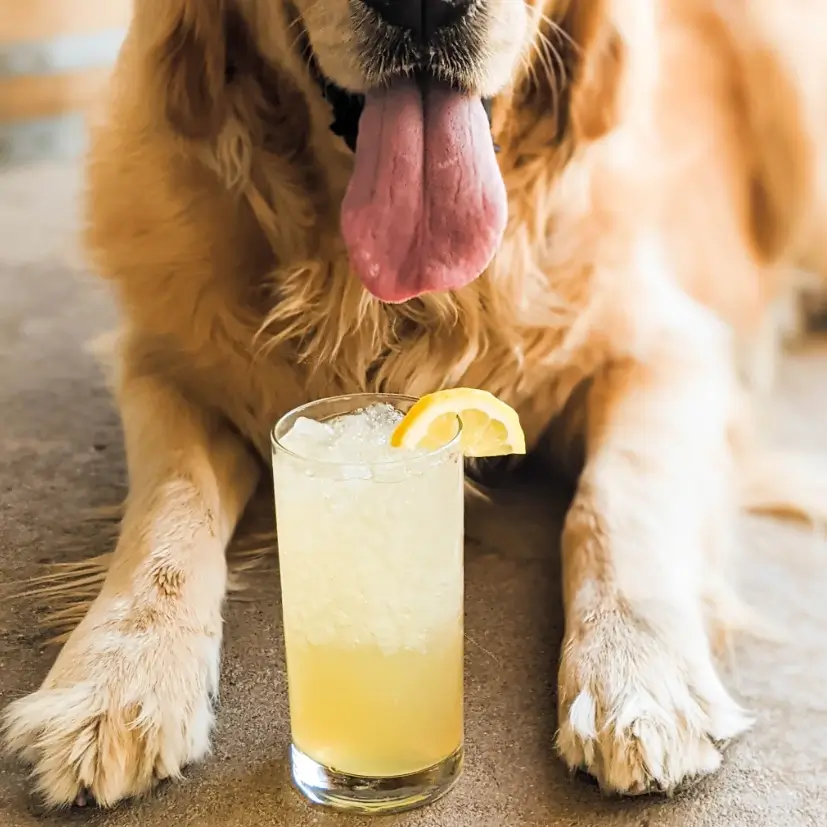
<point>426,206</point>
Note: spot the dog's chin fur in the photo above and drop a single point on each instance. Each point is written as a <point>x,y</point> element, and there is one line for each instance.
<point>656,195</point>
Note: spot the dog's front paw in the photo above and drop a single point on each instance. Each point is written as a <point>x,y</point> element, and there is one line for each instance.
<point>118,711</point>
<point>639,714</point>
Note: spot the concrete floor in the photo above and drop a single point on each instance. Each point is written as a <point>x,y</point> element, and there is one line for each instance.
<point>60,456</point>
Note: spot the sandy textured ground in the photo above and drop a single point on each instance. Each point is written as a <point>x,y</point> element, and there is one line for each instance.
<point>60,455</point>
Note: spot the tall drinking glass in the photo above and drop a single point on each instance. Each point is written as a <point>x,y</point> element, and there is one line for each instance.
<point>371,559</point>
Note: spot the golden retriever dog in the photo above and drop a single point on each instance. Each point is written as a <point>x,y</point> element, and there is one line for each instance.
<point>586,207</point>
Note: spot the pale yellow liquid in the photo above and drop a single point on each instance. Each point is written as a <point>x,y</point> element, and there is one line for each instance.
<point>372,590</point>
<point>360,711</point>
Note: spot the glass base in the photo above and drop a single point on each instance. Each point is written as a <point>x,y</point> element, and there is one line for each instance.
<point>359,794</point>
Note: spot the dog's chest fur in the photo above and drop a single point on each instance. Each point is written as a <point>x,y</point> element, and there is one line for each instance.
<point>243,297</point>
<point>314,332</point>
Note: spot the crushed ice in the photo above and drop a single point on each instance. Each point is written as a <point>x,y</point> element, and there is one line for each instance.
<point>354,440</point>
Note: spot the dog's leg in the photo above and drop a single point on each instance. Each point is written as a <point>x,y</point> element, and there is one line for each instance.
<point>641,706</point>
<point>129,698</point>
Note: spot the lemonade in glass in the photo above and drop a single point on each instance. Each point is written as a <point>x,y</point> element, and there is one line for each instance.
<point>371,558</point>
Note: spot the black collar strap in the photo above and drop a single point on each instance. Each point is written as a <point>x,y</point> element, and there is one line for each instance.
<point>347,109</point>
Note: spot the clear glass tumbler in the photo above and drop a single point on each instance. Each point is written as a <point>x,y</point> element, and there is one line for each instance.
<point>371,560</point>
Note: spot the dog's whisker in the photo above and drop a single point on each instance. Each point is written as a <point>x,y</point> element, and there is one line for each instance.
<point>544,19</point>
<point>550,75</point>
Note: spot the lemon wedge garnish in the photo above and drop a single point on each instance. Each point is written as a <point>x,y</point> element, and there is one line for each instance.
<point>490,428</point>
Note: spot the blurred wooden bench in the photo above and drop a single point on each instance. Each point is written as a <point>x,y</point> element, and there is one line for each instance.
<point>55,58</point>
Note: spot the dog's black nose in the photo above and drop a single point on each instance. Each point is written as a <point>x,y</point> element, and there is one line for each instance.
<point>421,17</point>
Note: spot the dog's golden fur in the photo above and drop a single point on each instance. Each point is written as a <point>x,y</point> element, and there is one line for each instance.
<point>659,159</point>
